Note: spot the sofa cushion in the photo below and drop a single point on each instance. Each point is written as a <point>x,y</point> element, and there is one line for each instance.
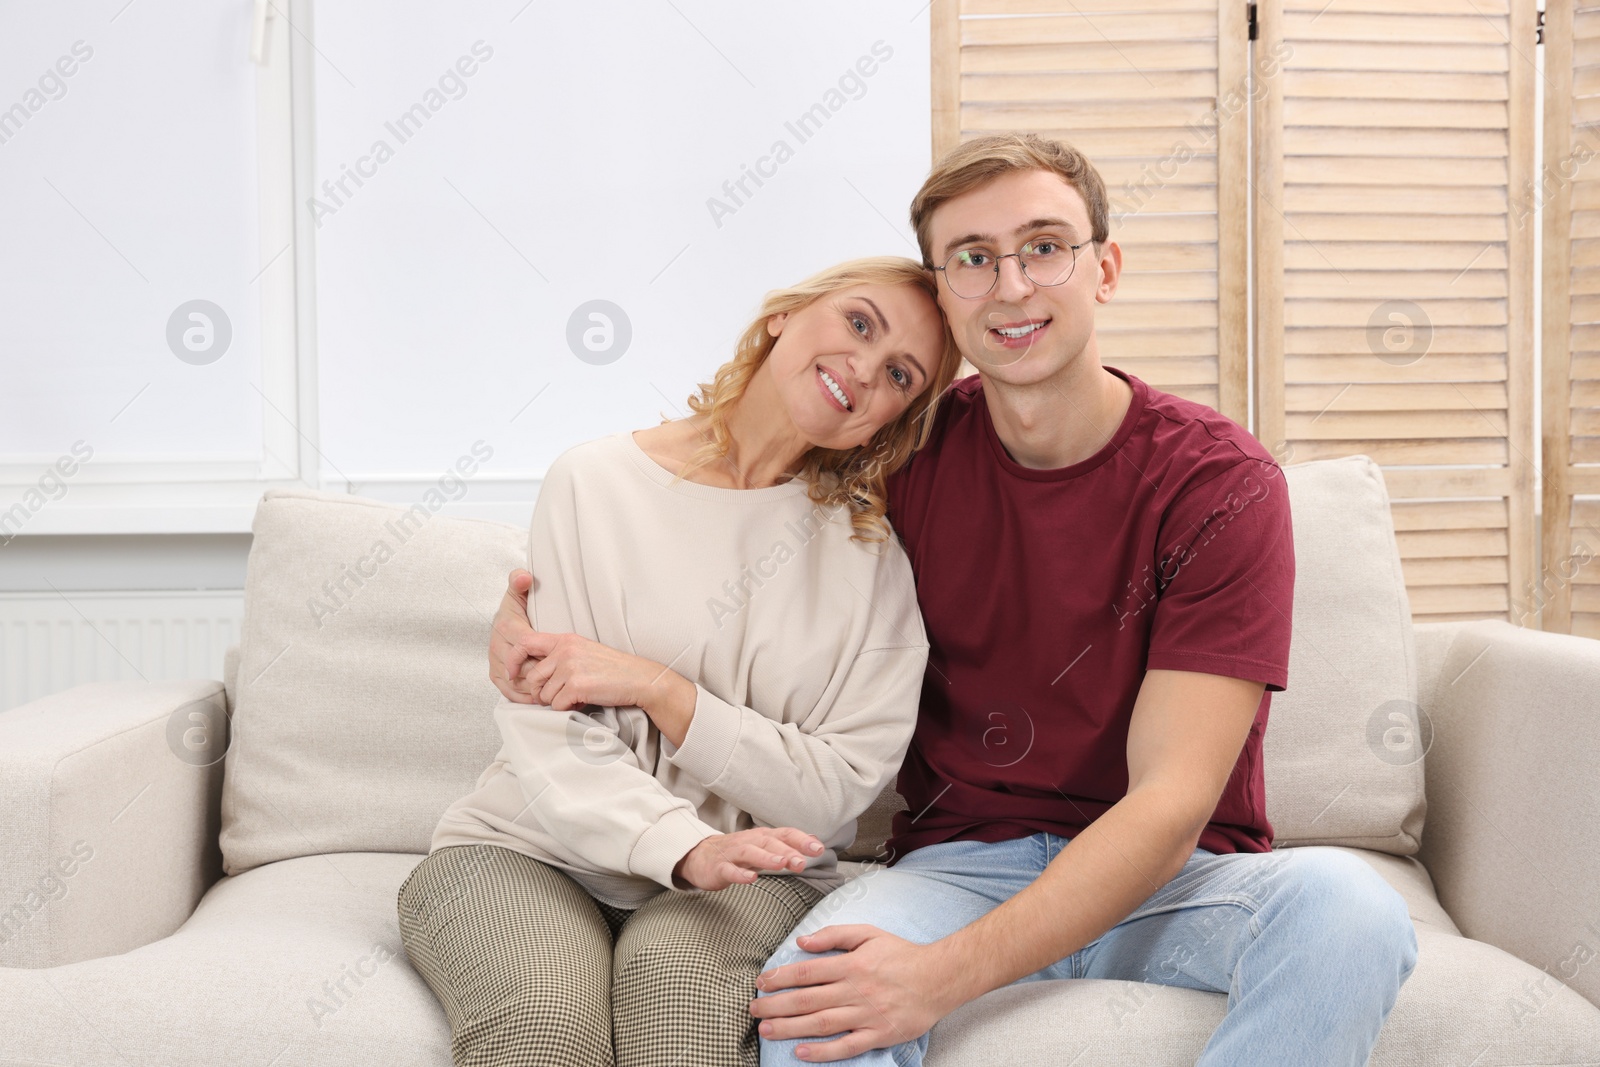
<point>298,962</point>
<point>1343,748</point>
<point>1466,1003</point>
<point>362,706</point>
<point>264,967</point>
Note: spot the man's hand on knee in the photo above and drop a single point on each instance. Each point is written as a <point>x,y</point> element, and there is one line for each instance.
<point>881,990</point>
<point>509,635</point>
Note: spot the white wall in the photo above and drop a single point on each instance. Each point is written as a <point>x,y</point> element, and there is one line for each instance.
<point>576,163</point>
<point>585,147</point>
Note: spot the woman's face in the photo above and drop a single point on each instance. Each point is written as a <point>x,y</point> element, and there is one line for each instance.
<point>849,363</point>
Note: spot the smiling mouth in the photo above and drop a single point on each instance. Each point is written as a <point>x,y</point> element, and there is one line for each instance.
<point>1014,332</point>
<point>835,389</point>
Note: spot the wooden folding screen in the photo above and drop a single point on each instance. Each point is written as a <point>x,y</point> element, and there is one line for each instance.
<point>1394,274</point>
<point>1155,93</point>
<point>1391,188</point>
<point>1569,191</point>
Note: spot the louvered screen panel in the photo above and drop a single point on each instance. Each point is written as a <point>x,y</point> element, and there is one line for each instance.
<point>1394,293</point>
<point>1577,568</point>
<point>1569,579</point>
<point>1136,88</point>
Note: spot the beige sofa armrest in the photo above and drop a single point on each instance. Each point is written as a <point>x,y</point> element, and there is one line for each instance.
<point>110,807</point>
<point>1512,837</point>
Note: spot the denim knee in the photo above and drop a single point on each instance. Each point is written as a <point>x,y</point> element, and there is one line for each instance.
<point>1340,892</point>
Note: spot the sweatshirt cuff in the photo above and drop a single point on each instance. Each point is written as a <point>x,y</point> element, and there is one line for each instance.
<point>707,748</point>
<point>659,848</point>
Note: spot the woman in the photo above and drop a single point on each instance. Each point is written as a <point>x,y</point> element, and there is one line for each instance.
<point>729,663</point>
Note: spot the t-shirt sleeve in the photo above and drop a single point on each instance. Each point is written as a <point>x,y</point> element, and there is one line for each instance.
<point>1225,578</point>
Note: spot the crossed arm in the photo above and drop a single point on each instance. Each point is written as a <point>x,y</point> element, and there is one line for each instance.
<point>1184,739</point>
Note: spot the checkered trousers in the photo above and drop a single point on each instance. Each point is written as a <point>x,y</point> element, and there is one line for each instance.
<point>531,969</point>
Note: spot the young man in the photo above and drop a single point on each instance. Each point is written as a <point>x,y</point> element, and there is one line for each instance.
<point>1105,573</point>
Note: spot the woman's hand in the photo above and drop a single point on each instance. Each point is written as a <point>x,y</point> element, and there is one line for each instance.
<point>727,859</point>
<point>566,671</point>
<point>573,671</point>
<point>508,636</point>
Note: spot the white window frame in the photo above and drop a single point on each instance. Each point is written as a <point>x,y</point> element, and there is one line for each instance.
<point>218,496</point>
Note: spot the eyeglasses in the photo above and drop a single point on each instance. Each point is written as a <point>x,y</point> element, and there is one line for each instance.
<point>972,272</point>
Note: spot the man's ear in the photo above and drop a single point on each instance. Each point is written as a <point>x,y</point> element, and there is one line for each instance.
<point>1110,265</point>
<point>775,323</point>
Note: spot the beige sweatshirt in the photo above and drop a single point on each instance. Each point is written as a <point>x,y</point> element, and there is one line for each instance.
<point>806,649</point>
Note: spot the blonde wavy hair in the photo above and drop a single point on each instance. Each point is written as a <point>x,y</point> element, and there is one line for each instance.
<point>857,477</point>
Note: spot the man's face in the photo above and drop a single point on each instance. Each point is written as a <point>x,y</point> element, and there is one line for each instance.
<point>1022,332</point>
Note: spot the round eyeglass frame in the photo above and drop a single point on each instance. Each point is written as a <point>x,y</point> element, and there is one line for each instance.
<point>1020,265</point>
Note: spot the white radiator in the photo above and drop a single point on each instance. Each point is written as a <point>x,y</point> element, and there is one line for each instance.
<point>54,641</point>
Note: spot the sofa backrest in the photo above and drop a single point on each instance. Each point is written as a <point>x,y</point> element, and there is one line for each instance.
<point>362,704</point>
<point>1343,749</point>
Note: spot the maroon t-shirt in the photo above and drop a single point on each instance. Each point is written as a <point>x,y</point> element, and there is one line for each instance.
<point>1047,594</point>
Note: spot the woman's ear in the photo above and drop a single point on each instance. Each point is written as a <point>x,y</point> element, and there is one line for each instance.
<point>775,323</point>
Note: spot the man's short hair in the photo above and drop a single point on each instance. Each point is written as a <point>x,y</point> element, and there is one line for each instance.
<point>981,160</point>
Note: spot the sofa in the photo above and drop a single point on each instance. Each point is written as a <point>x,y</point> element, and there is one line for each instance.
<point>197,872</point>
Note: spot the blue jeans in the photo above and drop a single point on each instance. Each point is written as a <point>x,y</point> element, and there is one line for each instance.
<point>1310,944</point>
